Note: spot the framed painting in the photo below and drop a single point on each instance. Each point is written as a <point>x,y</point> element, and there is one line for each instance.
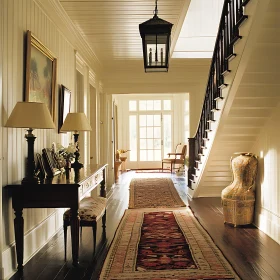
<point>64,105</point>
<point>40,73</point>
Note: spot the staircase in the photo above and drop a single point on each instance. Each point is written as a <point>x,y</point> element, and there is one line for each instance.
<point>247,96</point>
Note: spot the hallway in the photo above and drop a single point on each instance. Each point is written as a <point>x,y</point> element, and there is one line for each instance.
<point>252,253</point>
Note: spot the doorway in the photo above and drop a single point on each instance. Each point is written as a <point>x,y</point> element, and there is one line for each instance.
<point>150,126</point>
<point>150,131</point>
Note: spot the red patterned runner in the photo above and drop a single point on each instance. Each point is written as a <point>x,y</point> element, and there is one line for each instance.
<point>203,261</point>
<point>162,244</point>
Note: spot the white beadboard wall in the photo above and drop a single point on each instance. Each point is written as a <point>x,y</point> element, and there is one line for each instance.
<point>267,148</point>
<point>16,18</point>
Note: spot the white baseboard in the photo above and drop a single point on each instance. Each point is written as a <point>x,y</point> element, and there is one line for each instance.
<point>268,222</point>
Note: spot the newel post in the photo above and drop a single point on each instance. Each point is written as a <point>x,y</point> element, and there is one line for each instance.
<point>191,170</point>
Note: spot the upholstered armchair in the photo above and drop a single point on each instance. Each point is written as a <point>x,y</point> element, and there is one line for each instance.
<point>175,158</point>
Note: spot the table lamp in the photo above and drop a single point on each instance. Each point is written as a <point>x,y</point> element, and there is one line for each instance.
<point>76,122</point>
<point>30,115</point>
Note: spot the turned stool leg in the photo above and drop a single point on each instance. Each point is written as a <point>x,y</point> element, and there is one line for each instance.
<point>104,221</point>
<point>94,235</point>
<point>65,240</point>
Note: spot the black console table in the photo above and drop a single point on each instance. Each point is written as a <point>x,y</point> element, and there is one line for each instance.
<point>63,191</point>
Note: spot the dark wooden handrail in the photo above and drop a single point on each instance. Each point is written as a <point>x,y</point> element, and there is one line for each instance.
<point>228,34</point>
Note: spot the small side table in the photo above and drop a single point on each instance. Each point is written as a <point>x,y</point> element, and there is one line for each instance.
<point>116,169</point>
<point>123,160</point>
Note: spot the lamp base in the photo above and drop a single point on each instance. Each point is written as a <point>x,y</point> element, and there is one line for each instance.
<point>30,181</point>
<point>77,165</point>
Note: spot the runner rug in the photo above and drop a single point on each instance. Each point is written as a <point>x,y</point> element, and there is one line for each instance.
<point>153,193</point>
<point>164,244</point>
<point>153,171</point>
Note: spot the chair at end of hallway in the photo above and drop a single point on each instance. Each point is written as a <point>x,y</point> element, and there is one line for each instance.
<point>175,158</point>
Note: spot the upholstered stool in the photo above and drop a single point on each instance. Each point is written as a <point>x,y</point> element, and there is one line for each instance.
<point>90,211</point>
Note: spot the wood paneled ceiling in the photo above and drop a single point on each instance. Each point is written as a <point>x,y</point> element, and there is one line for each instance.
<point>111,28</point>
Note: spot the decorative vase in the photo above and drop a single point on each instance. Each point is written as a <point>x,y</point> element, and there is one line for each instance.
<point>238,199</point>
<point>68,164</point>
<point>122,158</point>
<point>117,156</point>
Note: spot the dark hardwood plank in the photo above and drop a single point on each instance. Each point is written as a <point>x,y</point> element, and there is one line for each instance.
<point>252,254</point>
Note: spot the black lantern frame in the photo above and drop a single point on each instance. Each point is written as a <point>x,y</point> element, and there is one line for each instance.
<point>155,34</point>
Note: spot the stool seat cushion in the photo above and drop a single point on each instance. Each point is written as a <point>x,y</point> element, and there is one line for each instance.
<point>91,209</point>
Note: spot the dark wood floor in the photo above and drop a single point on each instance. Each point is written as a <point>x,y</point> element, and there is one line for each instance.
<point>252,253</point>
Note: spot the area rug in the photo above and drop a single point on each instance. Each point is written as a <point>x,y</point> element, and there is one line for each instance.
<point>162,245</point>
<point>153,171</point>
<point>153,193</point>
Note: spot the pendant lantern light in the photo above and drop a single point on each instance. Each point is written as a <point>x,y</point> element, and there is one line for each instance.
<point>155,34</point>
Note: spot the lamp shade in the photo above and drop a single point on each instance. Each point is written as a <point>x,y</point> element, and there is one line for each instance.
<point>76,122</point>
<point>30,115</point>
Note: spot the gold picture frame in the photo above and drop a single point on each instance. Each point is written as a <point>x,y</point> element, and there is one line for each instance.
<point>40,73</point>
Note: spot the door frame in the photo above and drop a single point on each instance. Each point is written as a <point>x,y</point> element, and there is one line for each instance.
<point>177,109</point>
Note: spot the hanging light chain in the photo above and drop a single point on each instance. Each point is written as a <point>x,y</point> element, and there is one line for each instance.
<point>156,10</point>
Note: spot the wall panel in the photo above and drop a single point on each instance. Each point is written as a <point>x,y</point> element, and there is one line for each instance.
<point>18,17</point>
<point>267,148</point>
